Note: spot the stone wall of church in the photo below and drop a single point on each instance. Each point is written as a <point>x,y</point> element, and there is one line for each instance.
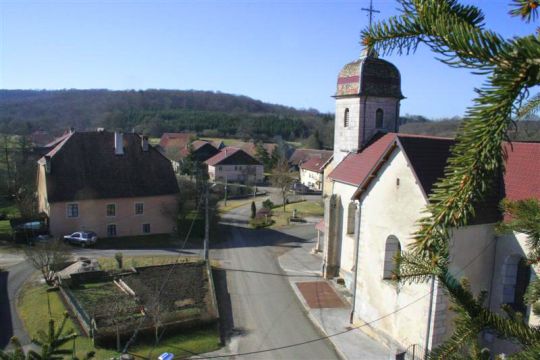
<point>346,139</point>
<point>361,110</point>
<point>390,108</point>
<point>391,208</point>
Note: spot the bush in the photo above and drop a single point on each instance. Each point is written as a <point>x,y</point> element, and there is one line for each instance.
<point>268,204</point>
<point>119,259</point>
<point>259,223</point>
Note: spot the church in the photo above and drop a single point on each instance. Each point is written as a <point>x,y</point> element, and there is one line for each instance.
<point>377,187</point>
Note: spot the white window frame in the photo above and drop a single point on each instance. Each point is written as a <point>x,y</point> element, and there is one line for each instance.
<point>68,213</point>
<point>107,209</point>
<point>115,230</point>
<point>135,208</point>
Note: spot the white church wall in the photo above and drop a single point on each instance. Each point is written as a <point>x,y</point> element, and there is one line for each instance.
<point>391,207</point>
<point>346,192</point>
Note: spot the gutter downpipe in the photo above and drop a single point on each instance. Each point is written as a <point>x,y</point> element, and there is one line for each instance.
<point>428,330</point>
<point>356,250</point>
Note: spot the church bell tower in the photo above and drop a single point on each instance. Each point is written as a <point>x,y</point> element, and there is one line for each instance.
<point>367,102</point>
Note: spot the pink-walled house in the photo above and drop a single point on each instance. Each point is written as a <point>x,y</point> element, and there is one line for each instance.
<point>112,183</point>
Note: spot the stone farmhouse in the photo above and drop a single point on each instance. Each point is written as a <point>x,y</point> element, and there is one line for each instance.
<point>112,183</point>
<point>378,185</point>
<point>235,165</point>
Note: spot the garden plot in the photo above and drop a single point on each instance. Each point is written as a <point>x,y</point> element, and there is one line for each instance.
<point>166,296</point>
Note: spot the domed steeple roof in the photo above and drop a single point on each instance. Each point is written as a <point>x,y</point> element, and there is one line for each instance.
<point>369,76</point>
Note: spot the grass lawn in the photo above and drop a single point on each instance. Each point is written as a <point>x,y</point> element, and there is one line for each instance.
<point>5,230</point>
<point>139,242</point>
<point>233,204</point>
<point>32,307</point>
<point>303,209</point>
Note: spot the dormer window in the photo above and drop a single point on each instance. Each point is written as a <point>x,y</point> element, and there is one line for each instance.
<point>346,118</point>
<point>379,114</point>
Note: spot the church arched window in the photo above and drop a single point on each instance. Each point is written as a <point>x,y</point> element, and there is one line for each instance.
<point>517,275</point>
<point>346,118</point>
<point>391,249</point>
<point>379,114</point>
<point>351,217</point>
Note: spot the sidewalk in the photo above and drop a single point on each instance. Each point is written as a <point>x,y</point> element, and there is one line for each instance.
<point>329,311</point>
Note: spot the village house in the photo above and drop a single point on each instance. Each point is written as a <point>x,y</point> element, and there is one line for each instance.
<point>112,183</point>
<point>299,156</point>
<point>311,171</point>
<point>235,165</point>
<point>379,186</point>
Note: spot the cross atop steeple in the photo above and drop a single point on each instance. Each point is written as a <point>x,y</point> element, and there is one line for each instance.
<point>370,11</point>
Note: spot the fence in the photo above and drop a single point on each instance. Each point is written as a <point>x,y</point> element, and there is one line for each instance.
<point>413,352</point>
<point>77,308</point>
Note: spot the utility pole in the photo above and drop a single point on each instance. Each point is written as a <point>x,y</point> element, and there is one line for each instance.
<point>225,200</point>
<point>206,223</point>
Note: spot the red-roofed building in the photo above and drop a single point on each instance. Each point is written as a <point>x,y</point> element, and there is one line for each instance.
<point>377,187</point>
<point>311,171</point>
<point>232,164</point>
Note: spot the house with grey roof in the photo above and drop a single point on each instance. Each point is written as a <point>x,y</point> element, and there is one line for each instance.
<point>111,183</point>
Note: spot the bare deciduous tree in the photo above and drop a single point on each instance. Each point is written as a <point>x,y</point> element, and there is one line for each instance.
<point>282,179</point>
<point>46,257</point>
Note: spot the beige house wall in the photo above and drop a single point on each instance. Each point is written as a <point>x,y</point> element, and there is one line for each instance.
<point>311,179</point>
<point>158,212</point>
<point>236,173</point>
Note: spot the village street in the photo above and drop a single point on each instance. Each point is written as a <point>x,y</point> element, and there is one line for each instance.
<point>263,312</point>
<point>259,310</point>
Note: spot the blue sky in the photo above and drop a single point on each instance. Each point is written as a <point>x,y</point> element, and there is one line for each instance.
<point>286,52</point>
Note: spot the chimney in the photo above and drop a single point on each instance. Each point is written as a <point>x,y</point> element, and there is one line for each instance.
<point>118,143</point>
<point>144,143</point>
<point>47,164</point>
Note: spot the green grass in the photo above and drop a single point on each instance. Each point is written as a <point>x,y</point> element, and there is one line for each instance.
<point>5,230</point>
<point>32,307</point>
<point>233,204</point>
<point>91,295</point>
<point>139,242</point>
<point>227,142</point>
<point>303,209</point>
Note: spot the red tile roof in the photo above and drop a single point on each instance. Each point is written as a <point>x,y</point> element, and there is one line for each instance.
<point>301,155</point>
<point>522,175</point>
<point>355,168</point>
<point>222,155</point>
<point>316,163</point>
<point>179,140</point>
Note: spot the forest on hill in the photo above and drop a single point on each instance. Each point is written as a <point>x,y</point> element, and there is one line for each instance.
<point>153,112</point>
<point>210,114</point>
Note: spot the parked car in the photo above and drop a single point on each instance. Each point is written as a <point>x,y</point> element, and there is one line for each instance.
<point>83,238</point>
<point>300,188</point>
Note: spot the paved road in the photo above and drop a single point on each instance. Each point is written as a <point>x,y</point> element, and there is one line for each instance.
<point>11,282</point>
<point>264,312</point>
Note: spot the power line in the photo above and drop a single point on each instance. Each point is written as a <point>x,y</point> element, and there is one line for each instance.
<point>138,328</point>
<point>340,332</point>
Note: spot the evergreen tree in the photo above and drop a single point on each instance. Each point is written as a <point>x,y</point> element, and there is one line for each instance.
<point>457,34</point>
<point>253,210</point>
